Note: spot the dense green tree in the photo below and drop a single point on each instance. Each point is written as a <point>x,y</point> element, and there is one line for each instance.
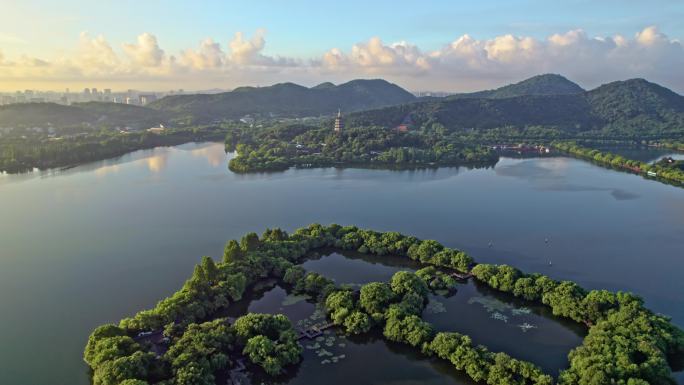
<point>232,252</point>
<point>404,282</point>
<point>357,322</point>
<point>270,340</point>
<point>249,242</point>
<point>376,297</point>
<point>339,305</point>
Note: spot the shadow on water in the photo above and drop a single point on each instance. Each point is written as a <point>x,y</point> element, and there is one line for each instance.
<point>354,268</point>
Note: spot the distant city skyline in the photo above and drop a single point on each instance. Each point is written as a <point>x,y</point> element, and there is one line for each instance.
<point>448,46</point>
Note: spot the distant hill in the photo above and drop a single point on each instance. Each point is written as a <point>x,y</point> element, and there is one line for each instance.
<point>286,100</point>
<point>626,108</point>
<point>632,108</point>
<point>637,105</point>
<point>40,114</point>
<point>96,114</point>
<point>546,84</point>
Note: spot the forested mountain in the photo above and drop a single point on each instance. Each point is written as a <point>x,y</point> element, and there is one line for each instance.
<point>546,84</point>
<point>637,105</point>
<point>286,100</point>
<point>91,114</point>
<point>630,108</point>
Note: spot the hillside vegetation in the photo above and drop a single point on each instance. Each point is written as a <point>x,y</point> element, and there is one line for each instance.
<point>631,109</point>
<point>546,84</point>
<point>286,100</point>
<point>89,115</point>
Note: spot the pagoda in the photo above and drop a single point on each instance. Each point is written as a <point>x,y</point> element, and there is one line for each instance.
<point>339,124</point>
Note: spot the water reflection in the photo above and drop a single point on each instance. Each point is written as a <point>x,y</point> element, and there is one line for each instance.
<point>352,268</point>
<point>551,174</point>
<point>106,170</point>
<point>215,155</point>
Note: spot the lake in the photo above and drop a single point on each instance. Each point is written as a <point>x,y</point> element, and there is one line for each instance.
<point>99,242</point>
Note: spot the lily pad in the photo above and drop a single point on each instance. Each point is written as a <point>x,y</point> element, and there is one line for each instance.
<point>526,326</point>
<point>435,307</point>
<point>293,299</point>
<point>521,311</point>
<point>500,317</point>
<point>490,304</point>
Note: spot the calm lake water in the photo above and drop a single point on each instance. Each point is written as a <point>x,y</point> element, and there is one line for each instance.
<point>500,322</point>
<point>392,363</point>
<point>98,242</point>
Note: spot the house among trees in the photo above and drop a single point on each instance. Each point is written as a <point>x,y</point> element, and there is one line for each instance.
<point>405,124</point>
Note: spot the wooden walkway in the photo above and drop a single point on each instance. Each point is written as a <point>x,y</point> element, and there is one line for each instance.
<point>313,331</point>
<point>461,276</point>
<point>237,375</point>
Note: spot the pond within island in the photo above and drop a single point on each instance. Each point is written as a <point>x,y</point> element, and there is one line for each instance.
<point>279,310</point>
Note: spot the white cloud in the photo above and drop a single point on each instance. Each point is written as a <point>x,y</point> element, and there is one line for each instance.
<point>145,52</point>
<point>376,57</point>
<point>95,55</point>
<point>247,51</point>
<point>465,63</point>
<point>209,55</point>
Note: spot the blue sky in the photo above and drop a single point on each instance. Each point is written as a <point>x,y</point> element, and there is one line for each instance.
<point>297,29</point>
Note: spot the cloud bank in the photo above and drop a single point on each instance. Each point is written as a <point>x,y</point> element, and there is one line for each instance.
<point>466,63</point>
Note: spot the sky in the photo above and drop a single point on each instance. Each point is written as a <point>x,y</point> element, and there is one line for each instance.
<point>421,45</point>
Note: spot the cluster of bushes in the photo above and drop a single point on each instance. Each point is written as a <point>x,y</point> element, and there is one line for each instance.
<point>312,284</point>
<point>196,353</point>
<point>427,252</point>
<point>482,365</point>
<point>268,340</point>
<point>436,279</point>
<point>626,341</point>
<point>116,357</point>
<point>662,170</point>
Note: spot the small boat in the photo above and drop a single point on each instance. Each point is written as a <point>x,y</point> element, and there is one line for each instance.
<point>546,240</point>
<point>490,244</point>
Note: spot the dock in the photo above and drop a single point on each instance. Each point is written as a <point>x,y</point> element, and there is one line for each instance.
<point>313,331</point>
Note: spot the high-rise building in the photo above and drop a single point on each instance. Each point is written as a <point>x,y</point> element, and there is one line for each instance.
<point>86,91</point>
<point>144,99</point>
<point>339,124</point>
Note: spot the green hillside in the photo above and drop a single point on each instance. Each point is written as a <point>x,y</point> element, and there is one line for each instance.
<point>91,114</point>
<point>546,84</point>
<point>286,100</point>
<point>630,109</point>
